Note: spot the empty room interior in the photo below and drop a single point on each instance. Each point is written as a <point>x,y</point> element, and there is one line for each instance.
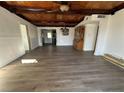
<point>62,46</point>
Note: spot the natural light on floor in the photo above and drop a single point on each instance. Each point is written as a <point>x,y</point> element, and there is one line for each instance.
<point>29,61</point>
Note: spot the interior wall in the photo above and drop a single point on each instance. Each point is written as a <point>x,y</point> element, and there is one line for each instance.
<point>24,35</point>
<point>90,37</point>
<point>115,37</point>
<point>111,35</point>
<point>90,33</point>
<point>61,40</point>
<point>102,34</point>
<point>11,46</point>
<point>33,36</point>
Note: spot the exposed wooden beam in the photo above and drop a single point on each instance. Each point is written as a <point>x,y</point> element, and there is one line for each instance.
<point>56,23</point>
<point>82,11</point>
<point>59,25</point>
<point>121,6</point>
<point>49,21</point>
<point>79,21</point>
<point>18,9</point>
<point>21,9</point>
<point>69,25</point>
<point>23,17</point>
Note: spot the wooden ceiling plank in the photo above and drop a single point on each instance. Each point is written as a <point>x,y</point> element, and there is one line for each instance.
<point>23,9</point>
<point>70,18</point>
<point>121,6</point>
<point>83,11</point>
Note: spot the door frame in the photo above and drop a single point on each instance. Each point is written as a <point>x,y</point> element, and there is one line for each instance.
<point>52,36</point>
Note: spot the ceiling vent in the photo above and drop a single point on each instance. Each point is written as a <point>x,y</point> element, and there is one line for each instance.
<point>101,16</point>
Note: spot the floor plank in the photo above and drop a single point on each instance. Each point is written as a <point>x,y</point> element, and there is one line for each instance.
<point>61,69</point>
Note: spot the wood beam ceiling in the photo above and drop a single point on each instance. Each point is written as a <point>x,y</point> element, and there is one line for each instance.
<point>20,10</point>
<point>121,6</point>
<point>23,9</point>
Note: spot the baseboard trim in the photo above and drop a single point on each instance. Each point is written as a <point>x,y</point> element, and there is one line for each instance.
<point>19,57</point>
<point>116,61</point>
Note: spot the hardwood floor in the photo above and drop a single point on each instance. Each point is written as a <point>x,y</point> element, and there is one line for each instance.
<point>61,69</point>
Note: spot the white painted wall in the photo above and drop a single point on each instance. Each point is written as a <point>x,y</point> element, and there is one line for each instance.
<point>33,36</point>
<point>61,40</point>
<point>115,38</point>
<point>11,46</point>
<point>111,35</point>
<point>24,36</point>
<point>90,37</point>
<point>90,32</point>
<point>89,20</point>
<point>102,34</point>
<point>39,36</point>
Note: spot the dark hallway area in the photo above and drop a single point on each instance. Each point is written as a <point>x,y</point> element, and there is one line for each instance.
<point>48,37</point>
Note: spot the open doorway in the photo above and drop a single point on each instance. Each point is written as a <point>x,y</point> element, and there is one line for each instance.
<point>48,37</point>
<point>25,37</point>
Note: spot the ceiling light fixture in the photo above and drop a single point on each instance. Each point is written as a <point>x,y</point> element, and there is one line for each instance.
<point>64,8</point>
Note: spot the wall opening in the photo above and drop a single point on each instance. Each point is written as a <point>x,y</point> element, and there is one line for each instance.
<point>48,37</point>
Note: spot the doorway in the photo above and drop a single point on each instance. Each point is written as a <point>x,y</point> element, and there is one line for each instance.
<point>48,37</point>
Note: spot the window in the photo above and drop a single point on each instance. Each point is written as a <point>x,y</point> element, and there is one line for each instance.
<point>49,35</point>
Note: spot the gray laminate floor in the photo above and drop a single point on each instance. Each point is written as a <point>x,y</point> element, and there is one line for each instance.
<point>61,69</point>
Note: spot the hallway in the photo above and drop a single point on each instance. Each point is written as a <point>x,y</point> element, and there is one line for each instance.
<point>61,69</point>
